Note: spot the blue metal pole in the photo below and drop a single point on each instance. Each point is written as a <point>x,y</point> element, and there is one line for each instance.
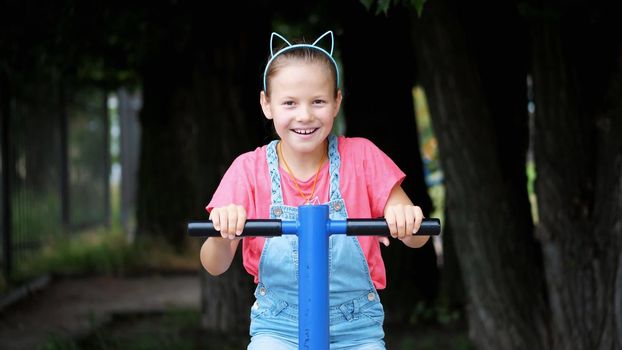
<point>313,327</point>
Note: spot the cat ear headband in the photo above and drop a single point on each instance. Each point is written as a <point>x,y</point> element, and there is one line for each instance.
<point>296,46</point>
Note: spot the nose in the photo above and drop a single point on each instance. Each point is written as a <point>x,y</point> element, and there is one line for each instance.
<point>305,114</point>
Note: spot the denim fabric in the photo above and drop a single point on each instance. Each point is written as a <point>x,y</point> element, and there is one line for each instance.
<point>356,314</point>
<point>265,342</point>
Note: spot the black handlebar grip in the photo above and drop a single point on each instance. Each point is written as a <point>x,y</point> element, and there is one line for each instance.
<point>263,228</point>
<point>273,228</point>
<point>379,227</point>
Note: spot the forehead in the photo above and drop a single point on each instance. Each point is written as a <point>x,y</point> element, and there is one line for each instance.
<point>299,74</point>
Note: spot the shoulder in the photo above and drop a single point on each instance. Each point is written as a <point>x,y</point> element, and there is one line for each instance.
<point>363,151</point>
<point>248,165</point>
<point>355,142</point>
<point>251,159</point>
<point>356,145</point>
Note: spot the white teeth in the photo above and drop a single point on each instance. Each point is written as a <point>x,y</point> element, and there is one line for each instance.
<point>304,131</point>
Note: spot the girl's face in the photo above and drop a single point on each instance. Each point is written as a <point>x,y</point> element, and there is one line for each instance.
<point>302,105</point>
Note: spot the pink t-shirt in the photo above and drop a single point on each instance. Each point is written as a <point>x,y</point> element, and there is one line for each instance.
<point>366,177</point>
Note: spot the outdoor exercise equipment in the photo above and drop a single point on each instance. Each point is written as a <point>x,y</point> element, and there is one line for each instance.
<point>313,229</point>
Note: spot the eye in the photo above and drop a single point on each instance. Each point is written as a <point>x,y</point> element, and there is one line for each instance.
<point>319,102</point>
<point>288,103</point>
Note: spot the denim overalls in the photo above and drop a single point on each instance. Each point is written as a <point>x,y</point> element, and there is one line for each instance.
<point>356,314</point>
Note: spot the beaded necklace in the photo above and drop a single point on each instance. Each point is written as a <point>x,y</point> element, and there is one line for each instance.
<point>291,174</point>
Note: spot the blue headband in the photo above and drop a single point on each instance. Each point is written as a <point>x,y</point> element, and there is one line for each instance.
<point>296,46</point>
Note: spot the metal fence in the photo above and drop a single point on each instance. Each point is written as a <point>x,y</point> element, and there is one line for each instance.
<point>55,164</point>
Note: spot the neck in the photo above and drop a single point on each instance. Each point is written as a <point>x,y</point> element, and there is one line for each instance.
<point>304,165</point>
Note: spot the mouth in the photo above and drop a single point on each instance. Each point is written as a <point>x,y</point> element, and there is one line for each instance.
<point>305,131</point>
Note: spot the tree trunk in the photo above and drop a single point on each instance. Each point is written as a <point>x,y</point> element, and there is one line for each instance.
<point>166,189</point>
<point>196,119</point>
<point>378,104</point>
<point>578,151</point>
<point>451,294</point>
<point>230,124</point>
<point>479,116</point>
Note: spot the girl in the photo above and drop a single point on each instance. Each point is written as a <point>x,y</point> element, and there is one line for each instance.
<point>307,165</point>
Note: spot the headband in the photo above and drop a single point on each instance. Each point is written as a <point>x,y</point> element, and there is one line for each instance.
<point>297,46</point>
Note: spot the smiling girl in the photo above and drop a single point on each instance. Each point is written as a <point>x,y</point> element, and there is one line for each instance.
<point>308,165</point>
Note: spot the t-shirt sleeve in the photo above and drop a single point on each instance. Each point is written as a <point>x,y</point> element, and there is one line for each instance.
<point>236,186</point>
<point>382,174</point>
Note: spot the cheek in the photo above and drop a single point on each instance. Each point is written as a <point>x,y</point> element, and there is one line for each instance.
<point>280,123</point>
<point>329,114</point>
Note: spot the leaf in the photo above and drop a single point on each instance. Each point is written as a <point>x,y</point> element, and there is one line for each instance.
<point>418,4</point>
<point>383,6</point>
<point>367,3</point>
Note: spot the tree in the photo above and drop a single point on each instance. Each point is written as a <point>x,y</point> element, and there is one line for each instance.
<point>562,291</point>
<point>476,84</point>
<point>577,71</point>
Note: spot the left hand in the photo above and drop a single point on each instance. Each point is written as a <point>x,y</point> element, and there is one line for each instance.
<point>403,220</point>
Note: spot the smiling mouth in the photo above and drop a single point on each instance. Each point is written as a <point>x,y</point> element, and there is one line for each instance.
<point>305,131</point>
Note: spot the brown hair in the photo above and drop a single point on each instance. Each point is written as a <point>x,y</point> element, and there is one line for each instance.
<point>301,54</point>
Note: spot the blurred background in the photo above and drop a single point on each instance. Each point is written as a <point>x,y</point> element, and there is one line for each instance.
<point>118,120</point>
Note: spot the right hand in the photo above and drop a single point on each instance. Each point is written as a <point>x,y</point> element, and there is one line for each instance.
<point>229,220</point>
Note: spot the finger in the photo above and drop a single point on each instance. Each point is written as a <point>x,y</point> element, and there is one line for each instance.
<point>222,222</point>
<point>232,220</point>
<point>400,221</point>
<point>241,220</point>
<point>418,219</point>
<point>385,241</point>
<point>410,220</point>
<point>390,218</point>
<point>213,215</point>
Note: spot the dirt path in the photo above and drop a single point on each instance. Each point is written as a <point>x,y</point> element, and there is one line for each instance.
<point>73,307</point>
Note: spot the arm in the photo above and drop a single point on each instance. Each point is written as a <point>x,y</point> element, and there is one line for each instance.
<point>217,252</point>
<point>404,218</point>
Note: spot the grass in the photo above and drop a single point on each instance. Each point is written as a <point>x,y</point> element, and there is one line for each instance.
<point>96,251</point>
<point>102,252</point>
<point>35,216</point>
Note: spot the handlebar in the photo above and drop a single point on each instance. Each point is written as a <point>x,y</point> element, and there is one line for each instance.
<point>274,228</point>
<point>313,229</point>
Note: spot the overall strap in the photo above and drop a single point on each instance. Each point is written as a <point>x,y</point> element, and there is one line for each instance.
<point>335,164</point>
<point>275,177</point>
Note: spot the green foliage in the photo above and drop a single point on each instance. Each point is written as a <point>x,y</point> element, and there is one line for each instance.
<point>35,216</point>
<point>383,6</point>
<point>58,342</point>
<point>102,252</point>
<point>98,251</point>
<point>430,155</point>
<point>435,314</point>
<point>531,191</point>
<point>94,42</point>
<point>88,177</point>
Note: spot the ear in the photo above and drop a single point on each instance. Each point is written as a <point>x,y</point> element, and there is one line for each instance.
<point>338,103</point>
<point>272,39</point>
<point>330,36</point>
<point>265,105</point>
